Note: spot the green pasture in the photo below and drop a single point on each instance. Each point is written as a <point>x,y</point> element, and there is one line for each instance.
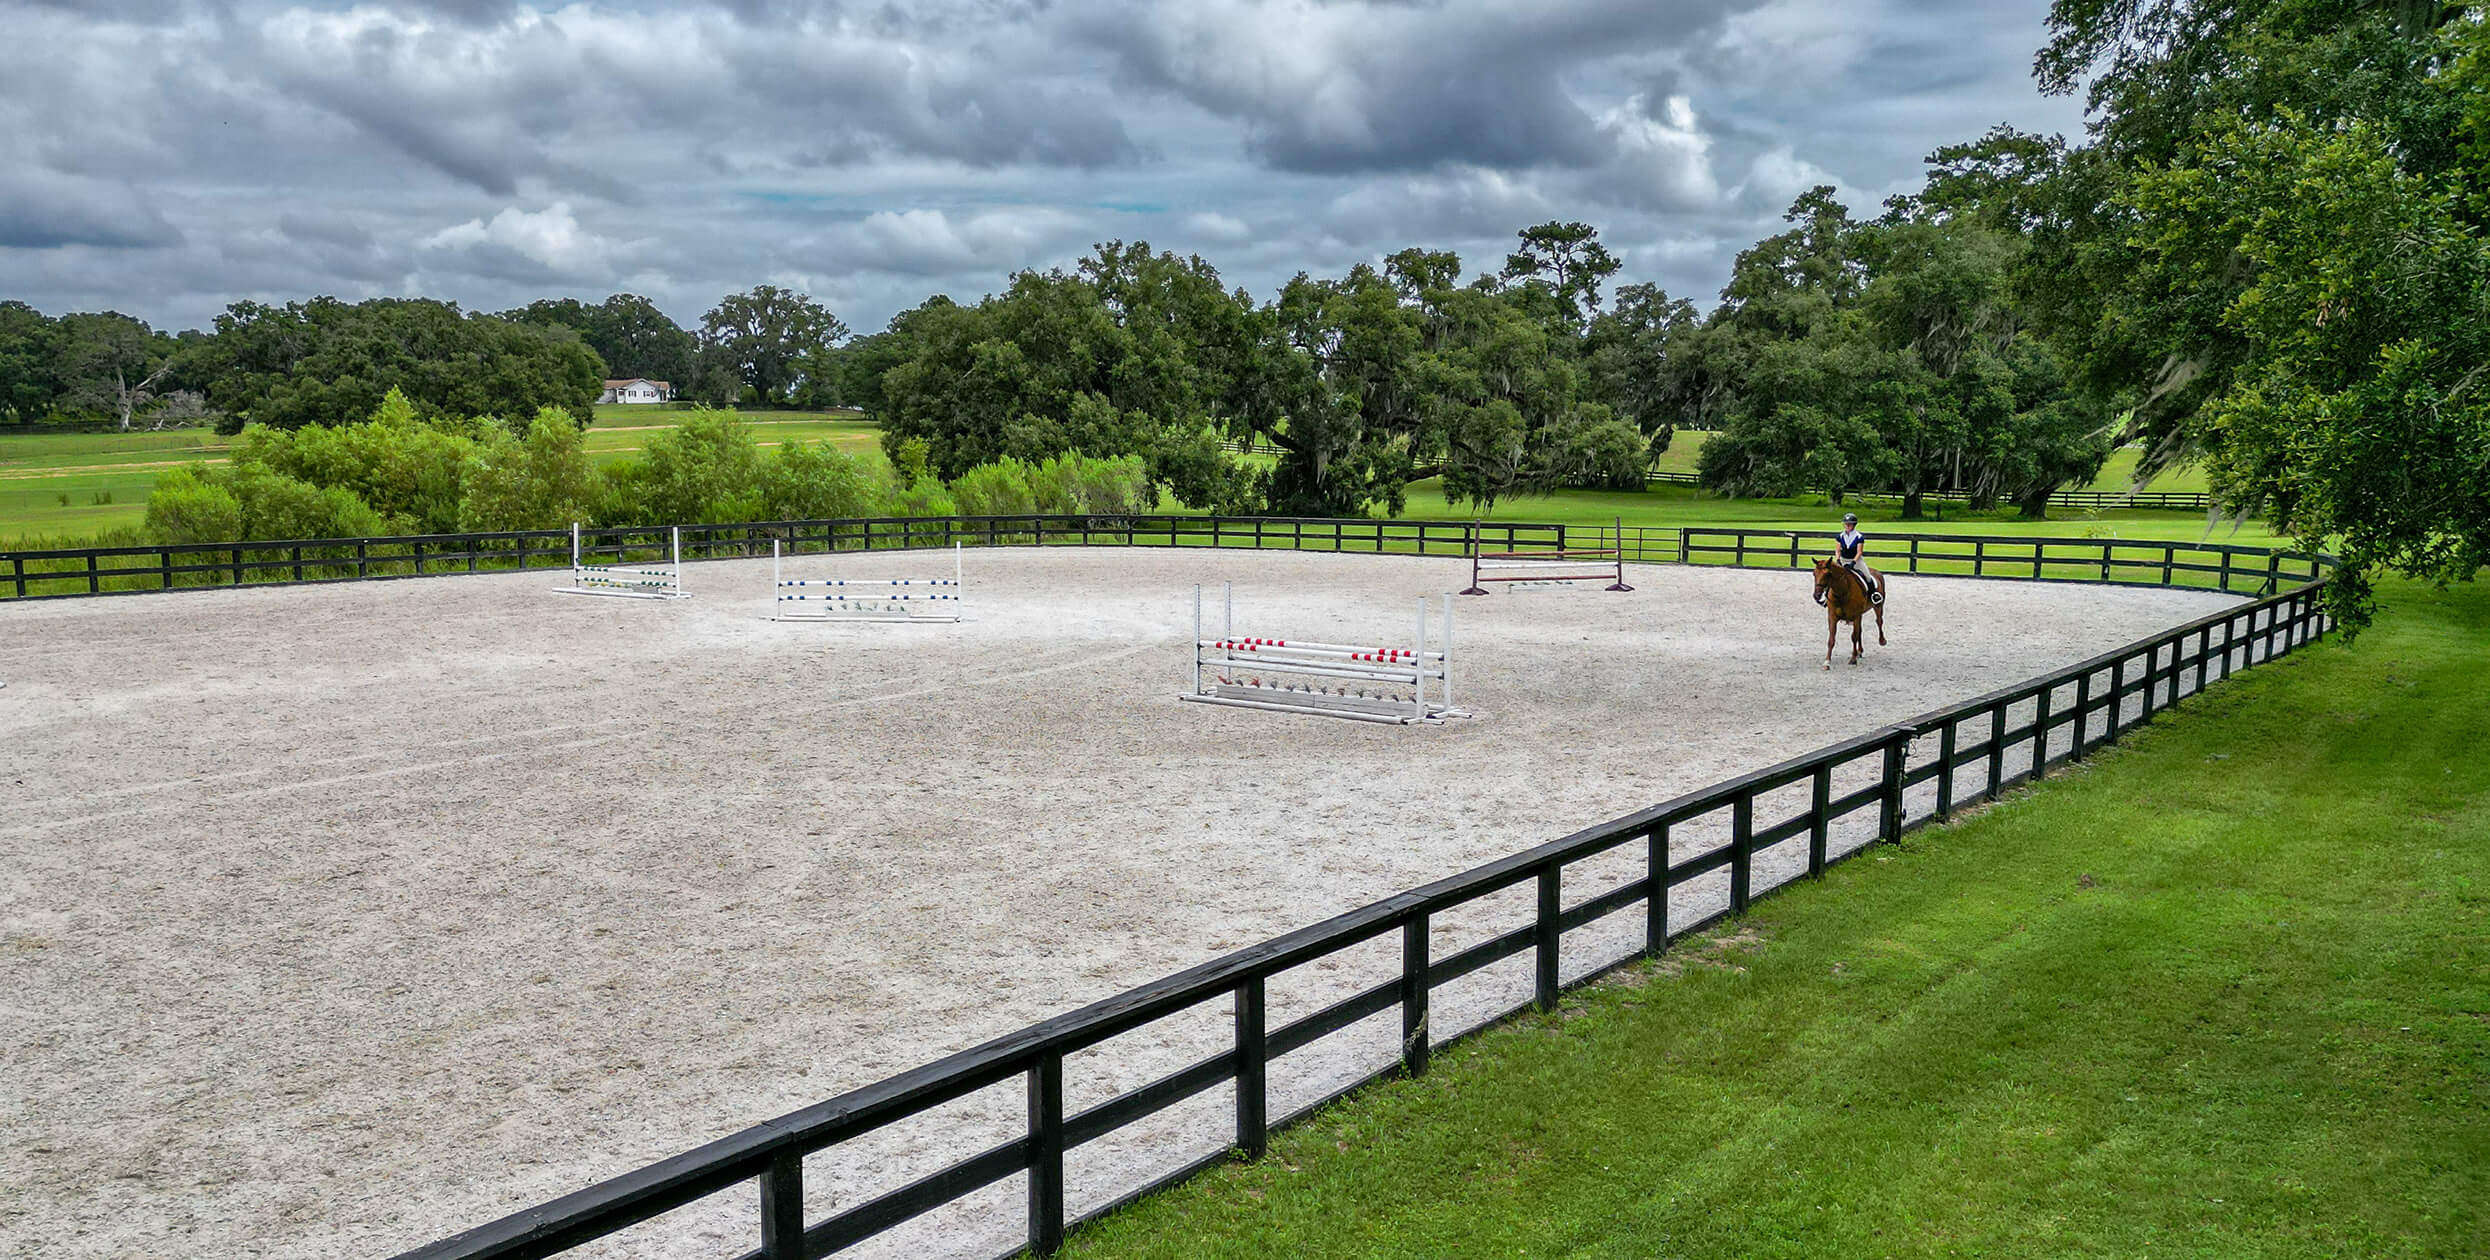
<point>1686,447</point>
<point>2224,992</point>
<point>1686,505</point>
<point>609,446</point>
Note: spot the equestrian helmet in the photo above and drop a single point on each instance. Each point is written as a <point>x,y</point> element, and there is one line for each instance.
<point>1850,518</point>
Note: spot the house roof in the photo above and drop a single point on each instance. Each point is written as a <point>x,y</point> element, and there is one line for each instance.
<point>637,380</point>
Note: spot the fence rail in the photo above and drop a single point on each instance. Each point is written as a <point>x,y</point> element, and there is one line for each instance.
<point>1752,833</point>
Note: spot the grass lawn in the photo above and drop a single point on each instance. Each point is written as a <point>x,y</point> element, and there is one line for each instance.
<point>2225,992</point>
<point>1684,505</point>
<point>1687,446</point>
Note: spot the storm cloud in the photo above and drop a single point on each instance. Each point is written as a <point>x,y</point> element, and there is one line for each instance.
<point>170,158</point>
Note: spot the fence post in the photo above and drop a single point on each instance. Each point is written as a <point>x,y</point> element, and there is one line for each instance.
<point>1414,1037</point>
<point>1819,820</point>
<point>1550,879</point>
<point>237,566</point>
<point>2040,731</point>
<point>1681,544</point>
<point>1997,750</point>
<point>1889,820</point>
<point>1946,739</point>
<point>1046,1153</point>
<point>1741,853</point>
<point>1656,902</point>
<point>782,1208</point>
<point>2083,711</point>
<point>18,566</point>
<point>2118,694</point>
<point>1253,1129</point>
<point>164,564</point>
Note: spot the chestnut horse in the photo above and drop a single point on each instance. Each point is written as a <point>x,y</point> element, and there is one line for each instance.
<point>1845,598</point>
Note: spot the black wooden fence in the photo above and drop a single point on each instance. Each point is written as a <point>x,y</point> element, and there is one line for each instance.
<point>1752,833</point>
<point>126,570</point>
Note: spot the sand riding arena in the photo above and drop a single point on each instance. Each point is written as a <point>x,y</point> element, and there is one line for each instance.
<point>337,919</point>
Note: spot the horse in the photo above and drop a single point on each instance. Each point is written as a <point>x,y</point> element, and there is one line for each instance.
<point>1845,598</point>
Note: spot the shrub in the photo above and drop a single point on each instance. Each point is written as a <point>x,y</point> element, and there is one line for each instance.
<point>186,507</point>
<point>925,498</point>
<point>275,506</point>
<point>705,470</point>
<point>997,489</point>
<point>815,481</point>
<point>541,481</point>
<point>1606,455</point>
<point>412,473</point>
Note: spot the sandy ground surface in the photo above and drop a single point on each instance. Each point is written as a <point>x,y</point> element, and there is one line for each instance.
<point>334,920</point>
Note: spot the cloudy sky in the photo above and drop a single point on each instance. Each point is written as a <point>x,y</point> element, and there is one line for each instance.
<point>168,157</point>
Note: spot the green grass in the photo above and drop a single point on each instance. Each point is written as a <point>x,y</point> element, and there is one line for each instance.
<point>609,446</point>
<point>1684,505</point>
<point>1686,447</point>
<point>2223,993</point>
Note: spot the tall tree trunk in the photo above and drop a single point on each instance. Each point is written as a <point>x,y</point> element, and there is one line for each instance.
<point>1911,504</point>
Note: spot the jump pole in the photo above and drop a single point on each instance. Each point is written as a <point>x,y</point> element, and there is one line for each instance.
<point>616,580</point>
<point>1352,664</point>
<point>895,605</point>
<point>1614,555</point>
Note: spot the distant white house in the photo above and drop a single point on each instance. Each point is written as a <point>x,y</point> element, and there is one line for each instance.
<point>638,390</point>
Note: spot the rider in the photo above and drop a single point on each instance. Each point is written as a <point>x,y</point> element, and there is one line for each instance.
<point>1848,549</point>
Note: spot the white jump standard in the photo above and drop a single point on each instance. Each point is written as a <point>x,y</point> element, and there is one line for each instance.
<point>1537,568</point>
<point>867,599</point>
<point>627,581</point>
<point>1403,685</point>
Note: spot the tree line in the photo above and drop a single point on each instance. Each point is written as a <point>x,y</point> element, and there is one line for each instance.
<point>325,361</point>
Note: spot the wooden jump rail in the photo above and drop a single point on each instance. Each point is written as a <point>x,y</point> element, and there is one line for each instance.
<point>1531,568</point>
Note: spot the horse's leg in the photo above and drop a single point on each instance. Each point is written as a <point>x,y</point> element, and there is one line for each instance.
<point>1832,628</point>
<point>1858,626</point>
<point>1880,625</point>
